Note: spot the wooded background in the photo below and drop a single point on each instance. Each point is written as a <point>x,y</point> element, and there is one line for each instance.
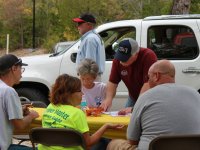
<point>53,18</point>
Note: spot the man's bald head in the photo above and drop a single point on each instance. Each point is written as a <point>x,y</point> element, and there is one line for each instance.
<point>162,71</point>
<point>164,66</point>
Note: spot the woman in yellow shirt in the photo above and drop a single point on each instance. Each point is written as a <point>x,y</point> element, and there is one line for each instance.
<point>62,112</point>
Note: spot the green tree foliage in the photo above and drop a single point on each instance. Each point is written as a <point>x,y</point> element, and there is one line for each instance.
<point>54,17</point>
<point>195,7</point>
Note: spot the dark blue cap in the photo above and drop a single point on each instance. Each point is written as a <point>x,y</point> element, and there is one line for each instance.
<point>127,48</point>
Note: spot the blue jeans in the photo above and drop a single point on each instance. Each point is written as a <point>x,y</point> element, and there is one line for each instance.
<point>19,147</point>
<point>130,102</point>
<point>101,145</point>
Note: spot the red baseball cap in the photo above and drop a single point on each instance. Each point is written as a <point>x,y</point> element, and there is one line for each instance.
<point>85,18</point>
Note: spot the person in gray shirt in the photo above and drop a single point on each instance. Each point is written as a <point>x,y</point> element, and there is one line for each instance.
<point>165,109</point>
<point>11,113</point>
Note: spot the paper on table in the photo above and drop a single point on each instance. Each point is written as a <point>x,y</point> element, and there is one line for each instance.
<point>115,113</point>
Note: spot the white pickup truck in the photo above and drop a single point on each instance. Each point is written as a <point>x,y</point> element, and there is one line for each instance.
<point>176,38</point>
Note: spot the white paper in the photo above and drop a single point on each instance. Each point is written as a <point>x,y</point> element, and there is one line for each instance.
<point>115,113</point>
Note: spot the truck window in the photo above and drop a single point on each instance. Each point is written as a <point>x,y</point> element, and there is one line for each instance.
<point>173,42</point>
<point>112,37</point>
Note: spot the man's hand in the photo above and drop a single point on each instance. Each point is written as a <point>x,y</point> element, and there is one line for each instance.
<point>23,123</point>
<point>34,114</point>
<point>106,104</point>
<point>125,111</point>
<point>25,109</point>
<point>110,94</point>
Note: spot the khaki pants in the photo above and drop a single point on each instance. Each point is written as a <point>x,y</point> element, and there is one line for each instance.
<point>119,144</point>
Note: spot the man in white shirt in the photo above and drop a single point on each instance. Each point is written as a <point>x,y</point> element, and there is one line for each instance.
<point>11,113</point>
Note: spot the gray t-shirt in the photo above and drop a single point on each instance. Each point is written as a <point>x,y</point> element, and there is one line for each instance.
<point>10,108</point>
<point>164,109</point>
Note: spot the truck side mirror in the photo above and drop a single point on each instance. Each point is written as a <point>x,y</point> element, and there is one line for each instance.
<point>73,57</point>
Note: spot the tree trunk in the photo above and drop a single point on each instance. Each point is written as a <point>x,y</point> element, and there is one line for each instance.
<point>181,7</point>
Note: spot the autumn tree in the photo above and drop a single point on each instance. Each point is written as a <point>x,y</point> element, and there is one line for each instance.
<point>13,17</point>
<point>53,18</point>
<point>181,7</point>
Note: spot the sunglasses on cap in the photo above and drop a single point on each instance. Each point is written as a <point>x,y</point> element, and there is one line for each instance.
<point>19,62</point>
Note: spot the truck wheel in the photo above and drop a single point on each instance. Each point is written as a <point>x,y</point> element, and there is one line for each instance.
<point>31,94</point>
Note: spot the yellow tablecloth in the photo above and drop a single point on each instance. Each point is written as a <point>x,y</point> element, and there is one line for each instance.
<point>94,124</point>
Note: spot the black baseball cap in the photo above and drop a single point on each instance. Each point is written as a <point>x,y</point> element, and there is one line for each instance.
<point>9,60</point>
<point>85,18</point>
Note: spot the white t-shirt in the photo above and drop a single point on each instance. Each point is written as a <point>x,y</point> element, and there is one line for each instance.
<point>10,108</point>
<point>95,95</point>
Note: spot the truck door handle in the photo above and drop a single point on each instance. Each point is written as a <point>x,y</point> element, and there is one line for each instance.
<point>191,70</point>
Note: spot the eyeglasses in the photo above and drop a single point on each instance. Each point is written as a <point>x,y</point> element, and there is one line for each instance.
<point>22,70</point>
<point>80,23</point>
<point>162,73</point>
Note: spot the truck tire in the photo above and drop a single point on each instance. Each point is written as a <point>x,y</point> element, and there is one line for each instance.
<point>31,94</point>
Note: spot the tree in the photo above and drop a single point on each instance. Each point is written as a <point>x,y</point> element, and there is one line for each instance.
<point>14,15</point>
<point>195,7</point>
<point>181,7</point>
<point>54,17</point>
